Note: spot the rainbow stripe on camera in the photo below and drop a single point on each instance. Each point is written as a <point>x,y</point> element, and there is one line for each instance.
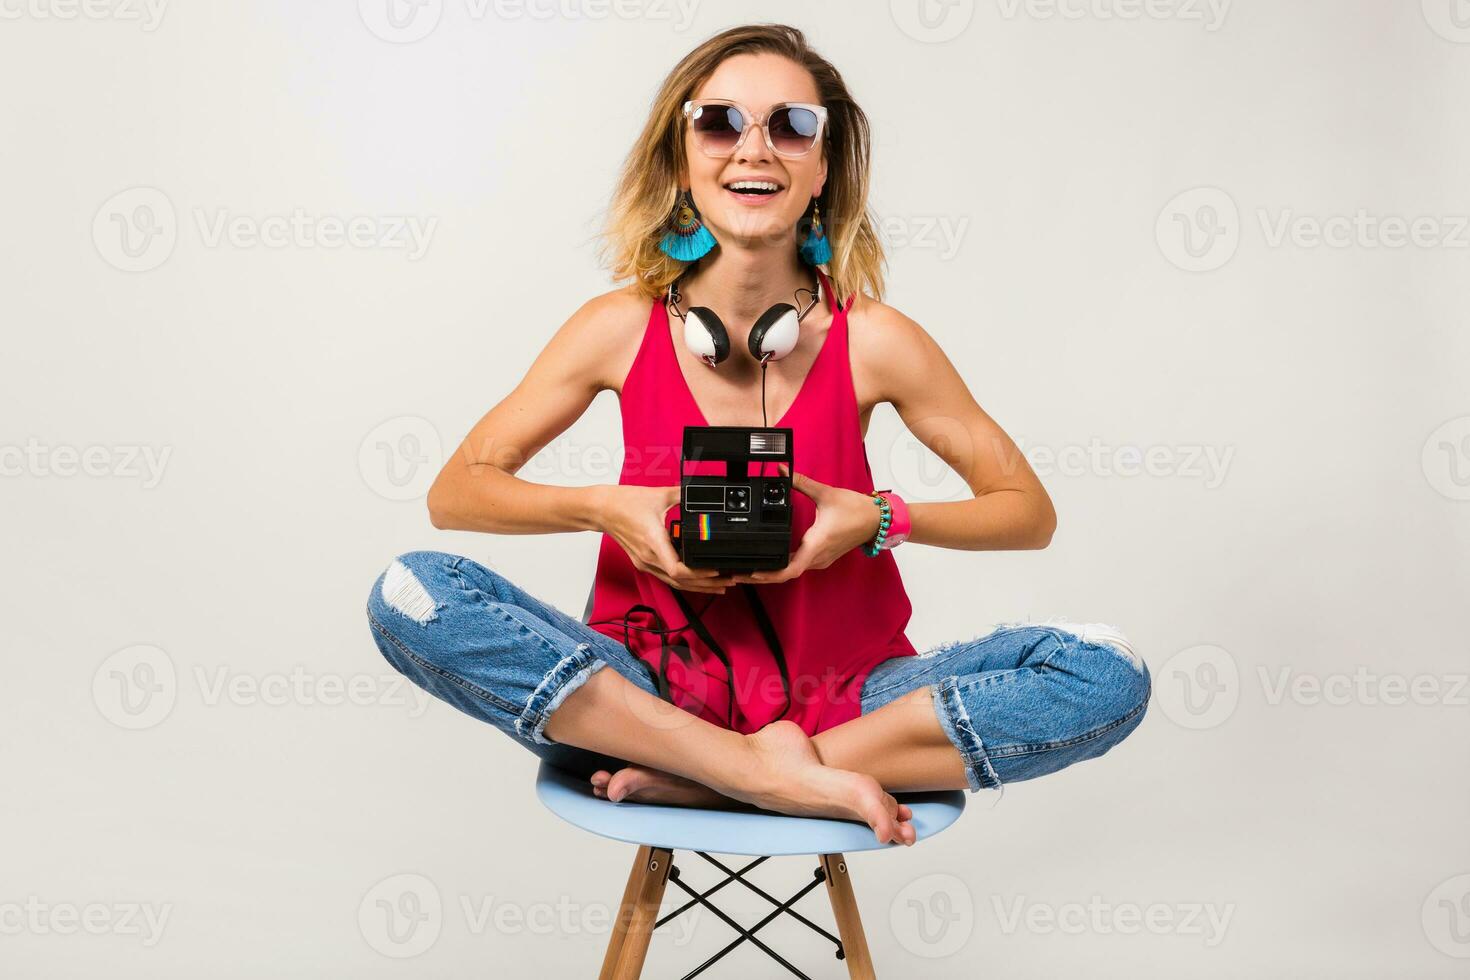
<point>706,527</point>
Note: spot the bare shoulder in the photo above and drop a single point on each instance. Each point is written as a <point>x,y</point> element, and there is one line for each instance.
<point>604,334</point>
<point>892,355</point>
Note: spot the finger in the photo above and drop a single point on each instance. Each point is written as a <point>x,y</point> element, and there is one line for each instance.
<point>799,563</point>
<point>689,585</point>
<point>794,567</point>
<point>807,487</point>
<point>682,570</point>
<point>776,575</point>
<point>697,578</point>
<point>669,561</point>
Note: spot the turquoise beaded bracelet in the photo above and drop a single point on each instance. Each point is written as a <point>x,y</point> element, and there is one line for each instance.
<point>872,548</point>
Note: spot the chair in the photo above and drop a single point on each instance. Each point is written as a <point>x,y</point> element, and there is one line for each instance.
<point>659,831</point>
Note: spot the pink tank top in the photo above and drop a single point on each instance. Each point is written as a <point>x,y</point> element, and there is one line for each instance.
<point>835,624</point>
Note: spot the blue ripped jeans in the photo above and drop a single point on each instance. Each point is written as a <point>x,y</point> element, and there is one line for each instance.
<point>1019,702</point>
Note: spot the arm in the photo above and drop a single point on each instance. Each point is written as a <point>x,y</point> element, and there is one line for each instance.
<point>477,489</point>
<point>1010,508</point>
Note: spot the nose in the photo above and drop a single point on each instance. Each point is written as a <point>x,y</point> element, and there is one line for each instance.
<point>754,148</point>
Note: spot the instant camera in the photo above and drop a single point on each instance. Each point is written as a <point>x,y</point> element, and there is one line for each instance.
<point>739,518</point>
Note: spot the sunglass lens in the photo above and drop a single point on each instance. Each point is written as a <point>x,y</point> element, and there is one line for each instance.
<point>793,129</point>
<point>718,127</point>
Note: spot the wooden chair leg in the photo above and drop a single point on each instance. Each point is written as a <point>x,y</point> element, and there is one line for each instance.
<point>849,923</point>
<point>644,894</point>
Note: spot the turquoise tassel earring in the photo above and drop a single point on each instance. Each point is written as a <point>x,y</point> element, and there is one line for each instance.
<point>815,249</point>
<point>688,239</point>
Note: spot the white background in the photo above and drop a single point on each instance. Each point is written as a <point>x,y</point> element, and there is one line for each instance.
<point>1028,166</point>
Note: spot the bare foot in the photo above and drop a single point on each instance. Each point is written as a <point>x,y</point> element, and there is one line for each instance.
<point>642,784</point>
<point>779,771</point>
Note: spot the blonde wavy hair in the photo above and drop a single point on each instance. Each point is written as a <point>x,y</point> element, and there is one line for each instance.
<point>647,189</point>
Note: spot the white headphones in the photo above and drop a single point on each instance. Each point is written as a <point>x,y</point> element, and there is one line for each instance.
<point>773,337</point>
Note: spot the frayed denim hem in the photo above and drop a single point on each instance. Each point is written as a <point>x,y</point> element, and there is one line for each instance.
<point>955,721</point>
<point>561,681</point>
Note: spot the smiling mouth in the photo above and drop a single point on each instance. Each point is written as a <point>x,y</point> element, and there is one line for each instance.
<point>754,190</point>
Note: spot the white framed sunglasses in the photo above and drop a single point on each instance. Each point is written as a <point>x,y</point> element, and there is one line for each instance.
<point>719,126</point>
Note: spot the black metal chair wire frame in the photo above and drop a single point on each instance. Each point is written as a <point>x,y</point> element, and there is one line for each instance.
<point>702,899</point>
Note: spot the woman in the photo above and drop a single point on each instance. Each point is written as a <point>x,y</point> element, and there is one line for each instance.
<point>751,172</point>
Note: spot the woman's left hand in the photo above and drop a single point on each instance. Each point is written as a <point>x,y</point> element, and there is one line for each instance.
<point>845,519</point>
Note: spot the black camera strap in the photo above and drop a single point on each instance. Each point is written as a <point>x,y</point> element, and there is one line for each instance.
<point>768,632</point>
<point>659,677</point>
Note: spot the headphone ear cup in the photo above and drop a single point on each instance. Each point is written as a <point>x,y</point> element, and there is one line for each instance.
<point>775,334</point>
<point>705,335</point>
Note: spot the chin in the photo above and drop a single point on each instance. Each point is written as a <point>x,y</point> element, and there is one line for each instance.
<point>764,231</point>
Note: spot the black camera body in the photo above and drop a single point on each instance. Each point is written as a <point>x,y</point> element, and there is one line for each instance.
<point>734,521</point>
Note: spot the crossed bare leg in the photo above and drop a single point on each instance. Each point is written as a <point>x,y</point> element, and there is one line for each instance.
<point>809,788</point>
<point>680,759</point>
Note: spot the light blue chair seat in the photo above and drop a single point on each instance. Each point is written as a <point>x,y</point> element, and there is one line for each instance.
<point>749,832</point>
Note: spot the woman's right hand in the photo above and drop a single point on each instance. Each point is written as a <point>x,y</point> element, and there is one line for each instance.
<point>635,517</point>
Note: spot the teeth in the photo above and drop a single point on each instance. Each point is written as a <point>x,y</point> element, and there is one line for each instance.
<point>758,185</point>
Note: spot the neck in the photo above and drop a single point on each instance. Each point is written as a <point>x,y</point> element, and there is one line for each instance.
<point>742,283</point>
